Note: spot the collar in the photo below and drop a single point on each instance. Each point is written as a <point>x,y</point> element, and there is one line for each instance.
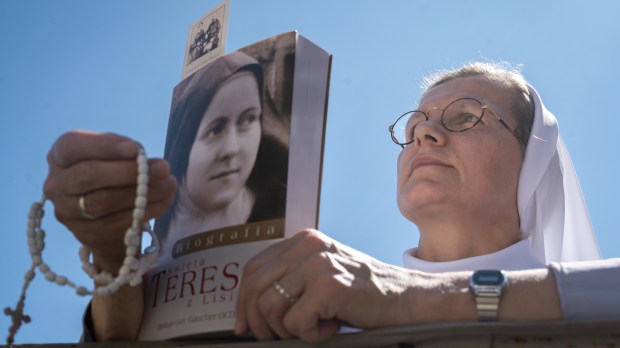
<point>515,257</point>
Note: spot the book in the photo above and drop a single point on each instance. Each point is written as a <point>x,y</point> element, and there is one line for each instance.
<point>245,141</point>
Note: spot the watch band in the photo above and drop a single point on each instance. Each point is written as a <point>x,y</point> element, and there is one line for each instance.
<point>488,286</point>
<point>487,305</point>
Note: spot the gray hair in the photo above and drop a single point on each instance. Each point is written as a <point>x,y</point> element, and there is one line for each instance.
<point>501,73</point>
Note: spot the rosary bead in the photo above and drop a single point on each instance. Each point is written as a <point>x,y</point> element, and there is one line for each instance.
<point>33,210</point>
<point>103,278</point>
<point>125,270</point>
<point>143,179</point>
<point>142,160</point>
<point>84,254</point>
<point>132,239</point>
<point>135,281</point>
<point>102,291</point>
<point>89,268</point>
<point>82,291</point>
<point>113,287</point>
<point>142,190</point>
<point>29,275</point>
<point>131,250</point>
<point>142,167</point>
<point>140,202</point>
<point>130,262</point>
<point>61,280</point>
<point>51,276</point>
<point>138,214</point>
<point>36,260</point>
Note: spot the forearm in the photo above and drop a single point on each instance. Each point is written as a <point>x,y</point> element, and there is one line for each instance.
<point>531,295</point>
<point>117,317</point>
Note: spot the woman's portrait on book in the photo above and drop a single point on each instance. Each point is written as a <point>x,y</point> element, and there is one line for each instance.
<point>231,167</point>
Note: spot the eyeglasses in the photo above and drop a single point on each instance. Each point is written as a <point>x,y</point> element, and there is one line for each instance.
<point>459,116</point>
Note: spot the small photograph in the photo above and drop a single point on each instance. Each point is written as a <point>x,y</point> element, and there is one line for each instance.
<point>206,39</point>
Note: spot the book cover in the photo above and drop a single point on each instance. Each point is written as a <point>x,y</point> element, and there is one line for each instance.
<point>245,142</point>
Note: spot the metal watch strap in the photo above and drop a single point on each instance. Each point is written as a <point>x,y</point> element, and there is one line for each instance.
<point>487,304</point>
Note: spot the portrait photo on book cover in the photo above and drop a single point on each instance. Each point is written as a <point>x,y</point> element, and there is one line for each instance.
<point>227,142</point>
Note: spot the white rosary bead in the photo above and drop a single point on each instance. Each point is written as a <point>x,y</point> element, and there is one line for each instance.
<point>132,239</point>
<point>131,262</point>
<point>131,250</point>
<point>140,202</point>
<point>84,254</point>
<point>125,270</point>
<point>82,291</point>
<point>101,291</point>
<point>135,281</point>
<point>61,280</point>
<point>143,179</point>
<point>51,276</point>
<point>142,190</point>
<point>138,214</point>
<point>113,287</point>
<point>103,278</point>
<point>29,275</point>
<point>44,268</point>
<point>36,260</point>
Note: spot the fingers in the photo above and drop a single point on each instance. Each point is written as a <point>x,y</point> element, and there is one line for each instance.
<point>260,307</point>
<point>306,321</point>
<point>253,284</point>
<point>105,234</point>
<point>91,175</point>
<point>266,318</point>
<point>113,191</point>
<point>76,146</point>
<point>258,276</point>
<point>314,316</point>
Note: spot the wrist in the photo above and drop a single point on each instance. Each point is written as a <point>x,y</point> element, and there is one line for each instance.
<point>110,263</point>
<point>440,297</point>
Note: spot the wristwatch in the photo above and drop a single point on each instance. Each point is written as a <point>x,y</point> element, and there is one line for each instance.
<point>488,286</point>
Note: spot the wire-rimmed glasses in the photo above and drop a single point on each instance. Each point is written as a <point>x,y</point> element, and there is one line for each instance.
<point>459,116</point>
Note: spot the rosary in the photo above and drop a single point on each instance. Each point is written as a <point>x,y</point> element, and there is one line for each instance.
<point>129,273</point>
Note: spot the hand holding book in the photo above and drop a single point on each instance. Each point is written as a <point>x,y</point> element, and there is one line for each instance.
<point>330,284</point>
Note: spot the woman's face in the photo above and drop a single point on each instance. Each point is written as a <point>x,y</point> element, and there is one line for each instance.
<point>474,172</point>
<point>224,151</point>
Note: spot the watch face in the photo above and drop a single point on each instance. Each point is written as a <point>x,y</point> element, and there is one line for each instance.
<point>488,277</point>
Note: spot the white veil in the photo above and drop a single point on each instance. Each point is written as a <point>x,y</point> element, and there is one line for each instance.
<point>553,213</point>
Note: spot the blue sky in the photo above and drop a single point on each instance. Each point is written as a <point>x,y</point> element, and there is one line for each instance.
<point>111,66</point>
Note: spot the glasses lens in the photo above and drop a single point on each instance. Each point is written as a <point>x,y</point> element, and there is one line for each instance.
<point>403,129</point>
<point>462,114</point>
